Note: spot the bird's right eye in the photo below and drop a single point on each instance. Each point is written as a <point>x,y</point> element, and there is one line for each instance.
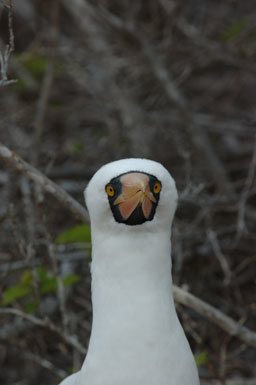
<point>110,190</point>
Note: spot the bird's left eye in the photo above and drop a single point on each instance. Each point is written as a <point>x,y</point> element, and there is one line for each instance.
<point>157,187</point>
<point>110,190</point>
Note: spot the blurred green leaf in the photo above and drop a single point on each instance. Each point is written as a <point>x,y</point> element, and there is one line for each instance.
<point>81,233</point>
<point>31,307</point>
<point>47,285</point>
<point>201,358</point>
<point>37,64</point>
<point>26,278</point>
<point>42,273</point>
<point>234,30</point>
<point>70,279</point>
<point>76,147</point>
<point>15,292</point>
<point>34,63</point>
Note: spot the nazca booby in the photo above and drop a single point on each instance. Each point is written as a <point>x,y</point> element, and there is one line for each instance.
<point>136,336</point>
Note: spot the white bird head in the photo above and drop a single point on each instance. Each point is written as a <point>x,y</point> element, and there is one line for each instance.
<point>132,195</point>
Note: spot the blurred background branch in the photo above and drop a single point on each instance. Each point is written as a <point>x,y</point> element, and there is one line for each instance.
<point>9,48</point>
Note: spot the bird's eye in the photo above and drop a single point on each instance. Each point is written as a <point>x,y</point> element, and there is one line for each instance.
<point>110,190</point>
<point>157,187</point>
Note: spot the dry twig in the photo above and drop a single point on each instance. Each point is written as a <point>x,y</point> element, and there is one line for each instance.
<point>197,133</point>
<point>60,286</point>
<point>17,162</point>
<point>219,255</point>
<point>41,110</point>
<point>226,323</point>
<point>214,315</point>
<point>45,323</point>
<point>245,193</point>
<point>4,57</point>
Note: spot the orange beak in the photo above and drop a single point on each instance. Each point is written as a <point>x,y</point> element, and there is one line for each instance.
<point>135,191</point>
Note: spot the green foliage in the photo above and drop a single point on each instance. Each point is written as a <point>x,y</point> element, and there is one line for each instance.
<point>42,273</point>
<point>201,358</point>
<point>26,278</point>
<point>36,64</point>
<point>234,30</point>
<point>77,234</point>
<point>70,279</point>
<point>25,289</point>
<point>15,292</point>
<point>76,147</point>
<point>31,307</point>
<point>48,283</point>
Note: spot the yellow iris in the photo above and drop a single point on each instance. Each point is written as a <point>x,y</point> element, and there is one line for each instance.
<point>110,190</point>
<point>157,187</point>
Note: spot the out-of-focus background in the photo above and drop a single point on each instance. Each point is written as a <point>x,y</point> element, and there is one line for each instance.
<point>99,80</point>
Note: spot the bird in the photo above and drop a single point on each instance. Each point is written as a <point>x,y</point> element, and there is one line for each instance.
<point>136,336</point>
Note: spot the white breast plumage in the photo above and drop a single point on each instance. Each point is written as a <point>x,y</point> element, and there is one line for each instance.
<point>136,337</point>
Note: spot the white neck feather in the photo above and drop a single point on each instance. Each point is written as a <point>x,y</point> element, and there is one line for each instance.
<point>131,277</point>
<point>135,330</point>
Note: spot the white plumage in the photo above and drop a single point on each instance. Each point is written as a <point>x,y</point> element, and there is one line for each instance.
<point>136,336</point>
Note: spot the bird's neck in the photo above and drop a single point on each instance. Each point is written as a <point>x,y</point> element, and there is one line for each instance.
<point>136,335</point>
<point>131,277</point>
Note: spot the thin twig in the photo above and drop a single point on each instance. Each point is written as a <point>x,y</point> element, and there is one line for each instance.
<point>215,316</point>
<point>46,85</point>
<point>60,287</point>
<point>245,193</point>
<point>211,235</point>
<point>209,312</point>
<point>4,57</point>
<point>29,211</point>
<point>44,363</point>
<point>10,26</point>
<point>41,110</point>
<point>62,196</point>
<point>197,133</point>
<point>47,324</point>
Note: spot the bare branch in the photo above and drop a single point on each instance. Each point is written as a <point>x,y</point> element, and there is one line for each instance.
<point>45,364</point>
<point>245,193</point>
<point>60,286</point>
<point>214,315</point>
<point>62,196</point>
<point>197,134</point>
<point>220,256</point>
<point>4,57</point>
<point>10,25</point>
<point>41,109</point>
<point>199,137</point>
<point>45,323</point>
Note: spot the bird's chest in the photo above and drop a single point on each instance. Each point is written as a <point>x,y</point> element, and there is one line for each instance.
<point>138,360</point>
